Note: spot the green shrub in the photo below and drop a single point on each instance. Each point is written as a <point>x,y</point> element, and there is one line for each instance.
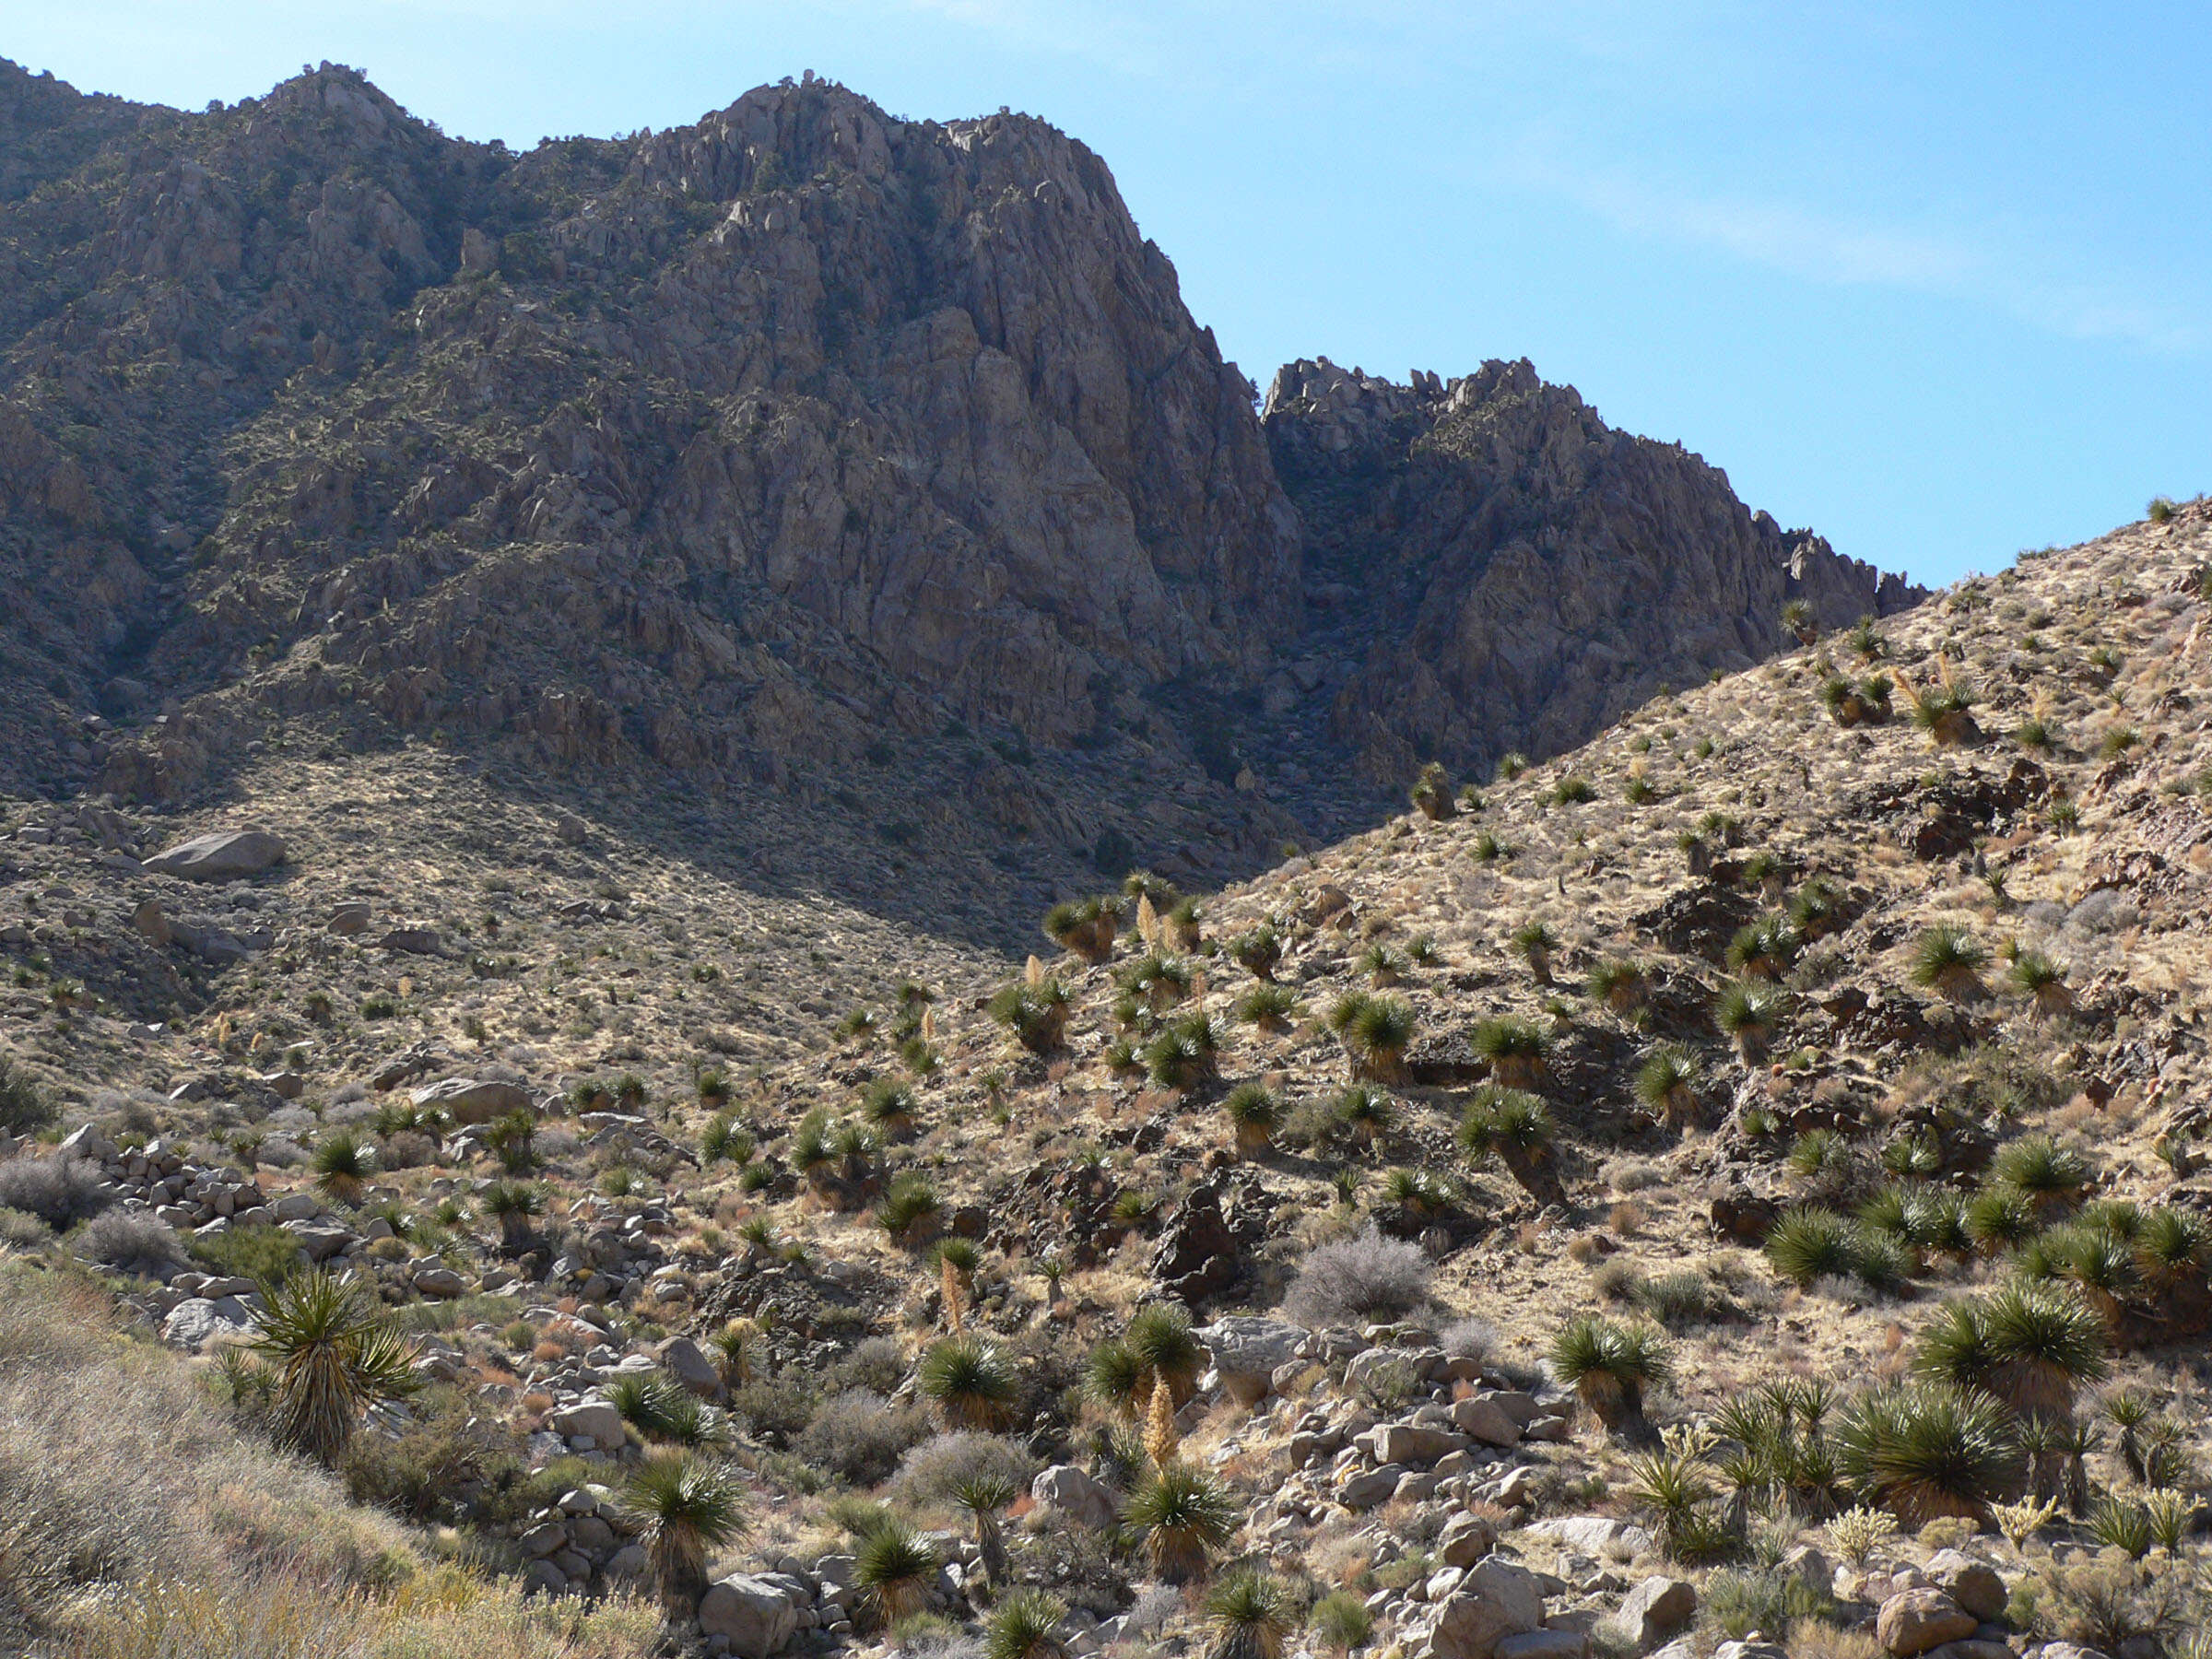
<point>25,1108</point>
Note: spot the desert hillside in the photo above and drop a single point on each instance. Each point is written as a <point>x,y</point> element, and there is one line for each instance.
<point>1731,1188</point>
<point>796,462</point>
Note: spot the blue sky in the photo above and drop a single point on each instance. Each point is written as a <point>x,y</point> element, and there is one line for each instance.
<point>1932,279</point>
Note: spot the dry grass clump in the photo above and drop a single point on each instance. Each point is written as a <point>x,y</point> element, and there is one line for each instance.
<point>118,1474</point>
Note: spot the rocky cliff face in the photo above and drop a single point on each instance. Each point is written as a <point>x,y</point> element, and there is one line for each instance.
<point>802,405</point>
<point>1494,568</point>
<point>867,467</point>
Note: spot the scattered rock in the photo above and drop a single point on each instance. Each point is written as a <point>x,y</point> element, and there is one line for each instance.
<point>1070,1492</point>
<point>1654,1611</point>
<point>1913,1621</point>
<point>755,1616</point>
<point>224,856</point>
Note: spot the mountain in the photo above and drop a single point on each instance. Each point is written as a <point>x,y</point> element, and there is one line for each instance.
<point>780,468</point>
<point>1813,1031</point>
<point>1496,570</point>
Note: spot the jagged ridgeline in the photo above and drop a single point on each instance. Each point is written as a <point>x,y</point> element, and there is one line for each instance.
<point>804,451</point>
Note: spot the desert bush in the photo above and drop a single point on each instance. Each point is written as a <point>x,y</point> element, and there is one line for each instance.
<point>1257,952</point>
<point>937,1467</point>
<point>130,1244</point>
<point>860,1436</point>
<point>2030,1346</point>
<point>1360,1279</point>
<point>120,1476</point>
<point>266,1254</point>
<point>24,1107</point>
<point>1341,1622</point>
<point>59,1191</point>
<point>1610,1366</point>
<point>1925,1450</point>
<point>1738,1601</point>
<point>1181,1515</point>
<point>971,1382</point>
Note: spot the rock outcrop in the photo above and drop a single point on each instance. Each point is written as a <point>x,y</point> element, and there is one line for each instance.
<point>1493,568</point>
<point>802,457</point>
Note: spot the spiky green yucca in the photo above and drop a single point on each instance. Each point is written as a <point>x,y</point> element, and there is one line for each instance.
<point>343,1166</point>
<point>1366,1113</point>
<point>1517,1049</point>
<point>513,1204</point>
<point>1179,1515</point>
<point>1763,950</point>
<point>1619,985</point>
<point>1816,910</point>
<point>890,1106</point>
<point>1185,1055</point>
<point>1999,1218</point>
<point>1812,1243</point>
<point>1376,1035</point>
<point>1514,1127</point>
<point>1160,1335</point>
<point>893,1566</point>
<point>1610,1366</point>
<point>1926,1449</point>
<point>2032,1346</point>
<point>1117,1378</point>
<point>1035,1015</point>
<point>1666,1084</point>
<point>1536,943</point>
<point>1749,1011</point>
<point>334,1355</point>
<point>1086,927</point>
<point>683,1508</point>
<point>1949,961</point>
<point>660,1409</point>
<point>970,1382</point>
<point>2036,975</point>
<point>1431,794</point>
<point>1255,1113</point>
<point>2048,1176</point>
<point>1024,1625</point>
<point>910,1209</point>
<point>1249,1613</point>
<point>1257,952</point>
<point>1267,1007</point>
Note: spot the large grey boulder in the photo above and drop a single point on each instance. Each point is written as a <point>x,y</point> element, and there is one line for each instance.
<point>224,856</point>
<point>196,1322</point>
<point>1486,1422</point>
<point>1495,1599</point>
<point>473,1101</point>
<point>681,1359</point>
<point>320,1240</point>
<point>1416,1446</point>
<point>1913,1621</point>
<point>595,1419</point>
<point>755,1616</point>
<point>1247,1351</point>
<point>1974,1586</point>
<point>1653,1611</point>
<point>1071,1492</point>
<point>1599,1536</point>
